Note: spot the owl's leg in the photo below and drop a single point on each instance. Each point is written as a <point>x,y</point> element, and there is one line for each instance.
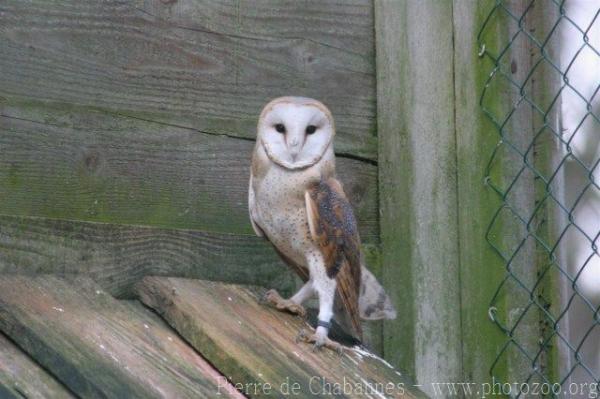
<point>325,288</point>
<point>294,304</point>
<point>303,293</point>
<point>326,292</point>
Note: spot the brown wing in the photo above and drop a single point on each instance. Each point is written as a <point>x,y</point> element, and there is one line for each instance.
<point>333,226</point>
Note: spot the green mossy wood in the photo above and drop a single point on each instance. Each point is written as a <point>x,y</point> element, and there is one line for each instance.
<point>435,144</point>
<point>126,130</point>
<point>116,256</point>
<point>251,343</point>
<point>96,166</point>
<point>482,269</point>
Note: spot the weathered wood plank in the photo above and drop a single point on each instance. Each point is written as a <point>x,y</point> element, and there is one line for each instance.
<point>79,164</point>
<point>190,361</point>
<point>97,346</point>
<point>21,377</point>
<point>201,64</point>
<point>418,193</point>
<point>117,256</point>
<point>349,23</point>
<point>254,344</point>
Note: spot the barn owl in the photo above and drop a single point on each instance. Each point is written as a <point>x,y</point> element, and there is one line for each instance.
<point>297,203</point>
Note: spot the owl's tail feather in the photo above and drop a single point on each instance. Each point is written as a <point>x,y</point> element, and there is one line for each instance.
<point>373,302</point>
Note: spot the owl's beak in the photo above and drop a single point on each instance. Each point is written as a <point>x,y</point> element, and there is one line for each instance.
<point>294,148</point>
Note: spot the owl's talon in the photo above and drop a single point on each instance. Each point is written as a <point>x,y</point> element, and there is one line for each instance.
<point>319,342</point>
<point>273,297</point>
<point>264,299</point>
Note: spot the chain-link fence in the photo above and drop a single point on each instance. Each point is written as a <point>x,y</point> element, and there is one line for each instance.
<point>542,96</point>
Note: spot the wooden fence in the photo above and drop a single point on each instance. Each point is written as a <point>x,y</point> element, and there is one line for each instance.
<point>126,130</point>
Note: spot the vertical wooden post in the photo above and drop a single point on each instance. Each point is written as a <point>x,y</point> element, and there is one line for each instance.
<point>551,219</point>
<point>417,177</point>
<point>435,145</point>
<point>482,270</point>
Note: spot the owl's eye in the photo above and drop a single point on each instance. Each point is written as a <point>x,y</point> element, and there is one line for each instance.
<point>280,128</point>
<point>310,129</point>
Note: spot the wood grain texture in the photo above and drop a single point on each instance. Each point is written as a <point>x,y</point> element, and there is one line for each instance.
<point>21,377</point>
<point>97,346</point>
<point>117,256</point>
<point>418,192</point>
<point>255,344</point>
<point>90,165</point>
<point>206,65</point>
<point>343,25</point>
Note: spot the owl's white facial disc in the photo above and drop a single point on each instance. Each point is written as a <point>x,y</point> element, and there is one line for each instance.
<point>295,132</point>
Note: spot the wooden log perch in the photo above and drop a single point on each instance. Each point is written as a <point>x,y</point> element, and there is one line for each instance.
<point>254,345</point>
<point>66,337</point>
<point>98,346</point>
